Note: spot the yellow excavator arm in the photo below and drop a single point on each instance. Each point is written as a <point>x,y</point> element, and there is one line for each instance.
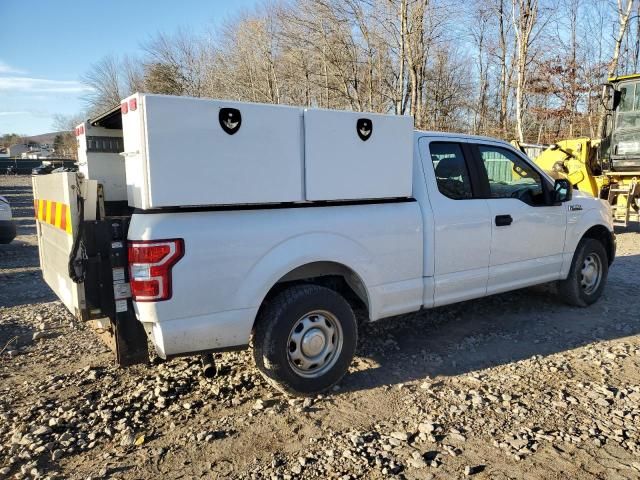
<point>572,159</point>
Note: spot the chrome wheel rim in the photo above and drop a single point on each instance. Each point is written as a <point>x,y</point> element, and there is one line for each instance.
<point>591,273</point>
<point>315,343</point>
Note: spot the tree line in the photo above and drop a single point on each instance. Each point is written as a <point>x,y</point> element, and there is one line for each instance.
<point>525,69</point>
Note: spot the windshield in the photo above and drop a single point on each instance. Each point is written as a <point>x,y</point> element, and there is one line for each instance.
<point>628,111</point>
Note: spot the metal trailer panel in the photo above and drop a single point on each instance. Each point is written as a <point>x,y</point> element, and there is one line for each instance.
<point>341,163</point>
<point>177,152</point>
<point>53,194</point>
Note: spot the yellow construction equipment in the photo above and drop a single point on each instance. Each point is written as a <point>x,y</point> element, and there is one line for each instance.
<point>608,168</point>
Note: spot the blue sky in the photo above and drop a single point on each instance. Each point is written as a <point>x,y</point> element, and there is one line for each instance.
<point>46,45</point>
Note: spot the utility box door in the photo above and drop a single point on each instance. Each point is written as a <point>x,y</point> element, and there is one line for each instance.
<point>353,155</point>
<point>183,151</point>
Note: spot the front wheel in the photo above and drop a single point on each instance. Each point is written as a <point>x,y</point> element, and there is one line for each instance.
<point>305,339</point>
<point>587,276</point>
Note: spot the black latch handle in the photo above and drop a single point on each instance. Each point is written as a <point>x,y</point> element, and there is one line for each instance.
<point>503,220</point>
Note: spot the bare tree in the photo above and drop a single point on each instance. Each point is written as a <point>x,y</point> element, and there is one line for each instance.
<point>105,80</point>
<point>488,66</point>
<point>525,16</point>
<point>480,31</point>
<point>182,54</point>
<point>624,13</point>
<point>111,79</point>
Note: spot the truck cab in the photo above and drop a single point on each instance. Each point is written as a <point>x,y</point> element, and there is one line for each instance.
<point>623,129</point>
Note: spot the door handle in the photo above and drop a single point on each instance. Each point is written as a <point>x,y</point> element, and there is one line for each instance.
<point>503,220</point>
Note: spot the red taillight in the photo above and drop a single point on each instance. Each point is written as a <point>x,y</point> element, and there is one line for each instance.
<point>124,108</point>
<point>133,104</point>
<point>145,254</point>
<point>143,289</point>
<point>150,264</point>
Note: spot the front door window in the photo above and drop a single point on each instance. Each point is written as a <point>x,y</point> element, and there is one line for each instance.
<point>511,177</point>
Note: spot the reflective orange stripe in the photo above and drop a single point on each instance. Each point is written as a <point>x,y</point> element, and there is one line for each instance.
<point>63,217</point>
<point>67,219</point>
<point>57,214</point>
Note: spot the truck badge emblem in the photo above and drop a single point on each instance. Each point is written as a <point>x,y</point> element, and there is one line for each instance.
<point>230,120</point>
<point>364,127</point>
<point>573,208</point>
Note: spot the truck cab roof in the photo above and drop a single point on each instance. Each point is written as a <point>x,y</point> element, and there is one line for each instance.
<point>460,136</point>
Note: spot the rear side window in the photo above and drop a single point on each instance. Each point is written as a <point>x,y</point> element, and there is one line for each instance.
<point>452,174</point>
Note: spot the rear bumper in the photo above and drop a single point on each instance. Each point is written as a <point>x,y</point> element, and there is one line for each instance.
<point>214,332</point>
<point>7,231</point>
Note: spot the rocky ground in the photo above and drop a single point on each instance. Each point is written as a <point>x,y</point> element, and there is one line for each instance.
<point>513,386</point>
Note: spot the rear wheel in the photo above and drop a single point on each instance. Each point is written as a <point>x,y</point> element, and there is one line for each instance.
<point>587,276</point>
<point>305,339</point>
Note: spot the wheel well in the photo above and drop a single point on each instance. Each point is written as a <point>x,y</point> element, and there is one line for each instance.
<point>602,234</point>
<point>335,276</point>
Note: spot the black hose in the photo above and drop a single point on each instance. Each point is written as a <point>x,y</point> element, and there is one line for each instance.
<point>78,253</point>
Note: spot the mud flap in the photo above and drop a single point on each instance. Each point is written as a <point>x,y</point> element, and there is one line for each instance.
<point>131,346</point>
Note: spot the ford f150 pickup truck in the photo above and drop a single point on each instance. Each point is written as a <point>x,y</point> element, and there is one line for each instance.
<point>207,225</point>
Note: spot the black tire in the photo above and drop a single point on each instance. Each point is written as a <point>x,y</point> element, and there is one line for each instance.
<point>274,328</point>
<point>572,290</point>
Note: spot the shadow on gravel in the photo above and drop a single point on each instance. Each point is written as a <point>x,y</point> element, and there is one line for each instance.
<point>14,334</point>
<point>21,280</point>
<point>43,294</point>
<point>24,211</point>
<point>497,330</point>
<point>18,254</point>
<point>25,226</point>
<point>15,190</point>
<point>632,227</point>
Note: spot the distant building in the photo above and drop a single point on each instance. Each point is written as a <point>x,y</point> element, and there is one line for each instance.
<point>18,149</point>
<point>30,150</point>
<point>37,154</point>
<point>4,152</point>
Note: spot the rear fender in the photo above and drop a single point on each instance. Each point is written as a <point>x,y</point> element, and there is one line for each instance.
<point>302,250</point>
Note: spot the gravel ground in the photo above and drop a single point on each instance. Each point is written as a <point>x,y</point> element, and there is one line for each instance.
<point>517,385</point>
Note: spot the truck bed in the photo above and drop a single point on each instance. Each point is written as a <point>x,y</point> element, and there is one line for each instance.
<point>233,258</point>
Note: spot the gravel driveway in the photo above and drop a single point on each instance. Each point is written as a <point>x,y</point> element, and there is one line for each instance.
<point>517,385</point>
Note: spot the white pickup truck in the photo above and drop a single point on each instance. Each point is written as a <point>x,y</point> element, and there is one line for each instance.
<point>272,225</point>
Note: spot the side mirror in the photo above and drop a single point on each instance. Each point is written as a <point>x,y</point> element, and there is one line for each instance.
<point>562,190</point>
